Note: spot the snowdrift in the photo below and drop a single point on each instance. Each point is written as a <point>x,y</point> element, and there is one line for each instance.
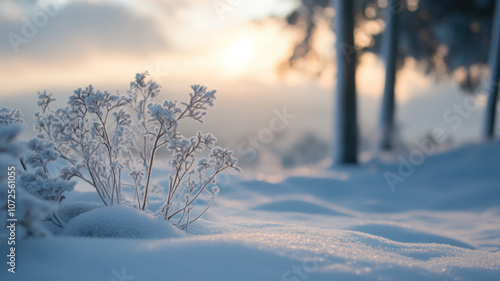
<point>441,223</point>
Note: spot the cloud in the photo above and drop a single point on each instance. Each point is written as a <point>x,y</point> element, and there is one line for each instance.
<point>54,31</point>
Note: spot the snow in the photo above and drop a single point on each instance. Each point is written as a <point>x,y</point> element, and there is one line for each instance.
<point>441,223</point>
<point>119,222</point>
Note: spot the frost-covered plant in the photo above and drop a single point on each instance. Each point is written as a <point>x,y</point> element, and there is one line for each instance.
<point>90,133</point>
<point>40,184</point>
<point>100,139</point>
<point>30,211</point>
<point>10,116</point>
<point>38,181</point>
<point>41,154</point>
<point>11,121</point>
<point>197,180</point>
<point>159,125</point>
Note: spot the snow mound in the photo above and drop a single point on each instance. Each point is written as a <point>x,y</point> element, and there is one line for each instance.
<point>69,211</point>
<point>120,222</point>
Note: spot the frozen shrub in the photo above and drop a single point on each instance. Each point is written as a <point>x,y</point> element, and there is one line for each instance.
<point>30,211</point>
<point>102,135</point>
<point>41,154</point>
<point>83,135</point>
<point>38,180</point>
<point>159,124</point>
<point>10,116</point>
<point>40,184</point>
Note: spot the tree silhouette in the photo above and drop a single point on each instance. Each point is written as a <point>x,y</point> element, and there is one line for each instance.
<point>489,124</point>
<point>346,133</point>
<point>390,53</point>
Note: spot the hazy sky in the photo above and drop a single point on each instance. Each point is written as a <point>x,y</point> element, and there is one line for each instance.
<point>228,45</point>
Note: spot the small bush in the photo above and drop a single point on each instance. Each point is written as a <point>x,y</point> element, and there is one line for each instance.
<point>30,211</point>
<point>101,136</point>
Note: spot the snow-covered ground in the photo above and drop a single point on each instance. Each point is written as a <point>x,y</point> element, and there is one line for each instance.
<point>441,223</point>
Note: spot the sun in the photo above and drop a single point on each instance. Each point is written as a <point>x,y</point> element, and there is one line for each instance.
<point>238,53</point>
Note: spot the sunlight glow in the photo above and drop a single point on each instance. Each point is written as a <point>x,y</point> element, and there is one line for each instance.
<point>238,53</point>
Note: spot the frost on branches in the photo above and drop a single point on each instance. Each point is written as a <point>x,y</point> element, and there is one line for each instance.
<point>38,180</point>
<point>30,211</point>
<point>10,116</point>
<point>109,139</point>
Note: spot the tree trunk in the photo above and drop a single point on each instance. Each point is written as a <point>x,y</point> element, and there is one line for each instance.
<point>494,64</point>
<point>346,133</point>
<point>390,53</point>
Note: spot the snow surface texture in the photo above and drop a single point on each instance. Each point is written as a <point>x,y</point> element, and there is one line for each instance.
<point>442,223</point>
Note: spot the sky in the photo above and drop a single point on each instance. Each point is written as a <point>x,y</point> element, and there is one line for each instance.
<point>233,46</point>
